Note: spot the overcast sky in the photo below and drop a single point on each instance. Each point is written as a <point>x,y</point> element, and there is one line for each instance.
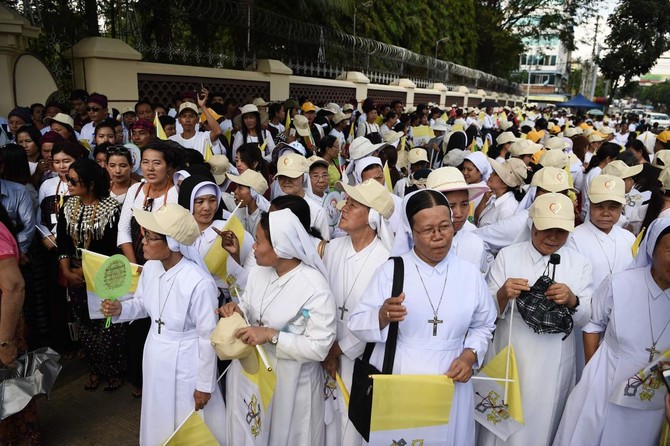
<point>584,34</point>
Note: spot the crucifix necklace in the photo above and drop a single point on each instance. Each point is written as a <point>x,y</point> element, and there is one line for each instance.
<point>652,350</point>
<point>263,309</point>
<point>159,321</point>
<point>613,264</point>
<point>434,320</point>
<point>343,309</point>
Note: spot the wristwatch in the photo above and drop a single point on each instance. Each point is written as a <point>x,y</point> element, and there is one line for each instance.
<point>274,339</point>
<point>473,351</point>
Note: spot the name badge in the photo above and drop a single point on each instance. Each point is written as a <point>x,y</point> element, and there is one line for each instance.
<point>54,219</point>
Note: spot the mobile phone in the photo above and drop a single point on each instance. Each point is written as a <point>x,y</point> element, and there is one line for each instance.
<point>666,378</point>
<point>291,132</point>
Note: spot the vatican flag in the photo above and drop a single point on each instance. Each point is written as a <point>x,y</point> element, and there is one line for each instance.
<point>387,177</point>
<point>251,404</point>
<point>192,432</point>
<point>410,409</point>
<point>160,133</point>
<point>502,415</point>
<point>216,258</point>
<point>636,246</point>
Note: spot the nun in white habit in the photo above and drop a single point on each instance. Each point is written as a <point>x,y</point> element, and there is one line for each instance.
<point>351,261</point>
<point>179,296</point>
<point>546,361</point>
<point>292,313</point>
<point>203,198</point>
<point>446,315</point>
<point>628,331</point>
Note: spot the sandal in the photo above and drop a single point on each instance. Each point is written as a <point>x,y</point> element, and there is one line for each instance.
<point>113,384</point>
<point>93,382</point>
<point>81,354</point>
<point>137,394</point>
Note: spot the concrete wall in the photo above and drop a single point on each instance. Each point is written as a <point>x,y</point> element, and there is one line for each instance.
<point>111,67</point>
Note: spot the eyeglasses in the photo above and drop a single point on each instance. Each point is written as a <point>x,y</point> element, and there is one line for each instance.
<point>93,109</point>
<point>71,180</point>
<point>151,239</point>
<point>429,232</point>
<point>117,150</point>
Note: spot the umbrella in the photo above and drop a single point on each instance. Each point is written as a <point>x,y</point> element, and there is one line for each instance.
<point>489,103</point>
<point>34,374</point>
<point>595,112</point>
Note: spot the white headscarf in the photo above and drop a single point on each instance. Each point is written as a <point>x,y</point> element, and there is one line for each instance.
<point>205,188</point>
<point>382,227</point>
<point>188,251</point>
<point>646,250</point>
<point>479,160</point>
<point>403,237</point>
<point>291,241</point>
<point>363,164</point>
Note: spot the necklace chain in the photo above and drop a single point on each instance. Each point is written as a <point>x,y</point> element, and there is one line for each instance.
<point>610,266</point>
<point>262,309</point>
<point>434,321</point>
<point>159,321</point>
<point>652,350</point>
<point>351,289</point>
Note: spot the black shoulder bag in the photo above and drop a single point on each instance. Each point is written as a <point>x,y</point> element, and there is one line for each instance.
<point>360,400</point>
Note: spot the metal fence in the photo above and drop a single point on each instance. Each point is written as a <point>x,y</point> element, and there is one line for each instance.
<point>247,33</point>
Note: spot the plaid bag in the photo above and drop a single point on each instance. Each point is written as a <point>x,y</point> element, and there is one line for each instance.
<point>542,314</point>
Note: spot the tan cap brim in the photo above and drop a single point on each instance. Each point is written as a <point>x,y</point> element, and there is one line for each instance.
<point>599,198</point>
<point>544,223</point>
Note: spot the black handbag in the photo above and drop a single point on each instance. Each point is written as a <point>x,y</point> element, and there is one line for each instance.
<point>360,398</point>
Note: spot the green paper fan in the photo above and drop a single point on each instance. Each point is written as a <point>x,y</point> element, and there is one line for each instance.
<point>113,279</point>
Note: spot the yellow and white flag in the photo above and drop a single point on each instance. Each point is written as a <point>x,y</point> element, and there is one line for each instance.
<point>410,409</point>
<point>91,263</point>
<point>387,177</point>
<point>252,405</point>
<point>636,246</point>
<point>160,133</point>
<point>208,149</point>
<point>502,417</point>
<point>485,148</point>
<point>192,432</point>
<point>216,258</point>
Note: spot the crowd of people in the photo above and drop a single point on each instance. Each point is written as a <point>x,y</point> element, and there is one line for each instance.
<point>488,209</point>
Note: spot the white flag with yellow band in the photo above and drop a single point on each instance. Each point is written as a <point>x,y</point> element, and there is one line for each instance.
<point>410,409</point>
<point>216,258</point>
<point>107,278</point>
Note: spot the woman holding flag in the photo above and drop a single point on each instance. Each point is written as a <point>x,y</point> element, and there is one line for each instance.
<point>88,220</point>
<point>292,315</point>
<point>223,245</point>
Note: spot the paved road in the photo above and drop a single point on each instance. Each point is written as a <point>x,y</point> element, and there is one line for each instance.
<point>75,417</point>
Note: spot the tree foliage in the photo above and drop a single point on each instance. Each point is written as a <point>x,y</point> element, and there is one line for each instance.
<point>657,94</point>
<point>640,33</point>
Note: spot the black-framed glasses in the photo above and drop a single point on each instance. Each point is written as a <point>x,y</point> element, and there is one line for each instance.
<point>71,180</point>
<point>117,150</point>
<point>93,109</point>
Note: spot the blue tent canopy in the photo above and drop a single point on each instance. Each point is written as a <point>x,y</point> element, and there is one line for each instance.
<point>579,101</point>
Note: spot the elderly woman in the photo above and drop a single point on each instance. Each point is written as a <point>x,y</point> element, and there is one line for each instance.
<point>203,198</point>
<point>179,297</point>
<point>546,361</point>
<point>292,314</point>
<point>446,315</point>
<point>351,262</point>
<point>505,183</point>
<point>624,306</point>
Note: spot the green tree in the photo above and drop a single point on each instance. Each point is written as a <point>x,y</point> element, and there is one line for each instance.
<point>640,33</point>
<point>658,95</point>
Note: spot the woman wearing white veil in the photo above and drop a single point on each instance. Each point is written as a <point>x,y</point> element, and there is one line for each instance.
<point>630,313</point>
<point>292,314</point>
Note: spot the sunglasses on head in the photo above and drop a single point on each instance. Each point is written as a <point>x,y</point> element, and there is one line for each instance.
<point>93,109</point>
<point>117,150</point>
<point>71,180</point>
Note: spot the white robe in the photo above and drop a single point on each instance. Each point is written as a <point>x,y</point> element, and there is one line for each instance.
<point>609,254</point>
<point>297,408</point>
<point>349,273</point>
<point>199,142</point>
<point>205,242</point>
<point>546,364</point>
<point>621,310</point>
<point>468,314</point>
<point>180,359</point>
<point>467,246</point>
<point>498,209</point>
